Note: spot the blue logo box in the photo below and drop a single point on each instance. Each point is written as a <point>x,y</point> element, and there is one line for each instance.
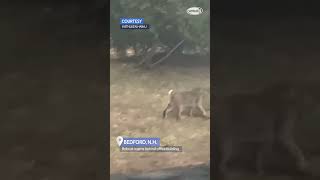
<point>140,142</point>
<point>131,21</point>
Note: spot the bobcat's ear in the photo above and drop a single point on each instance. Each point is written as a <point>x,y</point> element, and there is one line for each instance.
<point>170,92</point>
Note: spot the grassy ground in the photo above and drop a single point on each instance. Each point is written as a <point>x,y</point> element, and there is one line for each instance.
<point>137,100</point>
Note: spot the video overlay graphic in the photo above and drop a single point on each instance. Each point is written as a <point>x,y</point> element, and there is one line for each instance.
<point>128,144</point>
<point>133,23</point>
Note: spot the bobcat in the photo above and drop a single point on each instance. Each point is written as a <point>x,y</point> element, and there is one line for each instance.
<point>181,101</point>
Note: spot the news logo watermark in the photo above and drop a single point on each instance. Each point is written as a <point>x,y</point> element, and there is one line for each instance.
<point>127,144</point>
<point>194,11</point>
<point>133,23</point>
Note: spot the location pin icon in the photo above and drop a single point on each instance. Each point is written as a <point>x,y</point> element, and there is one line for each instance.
<point>119,140</point>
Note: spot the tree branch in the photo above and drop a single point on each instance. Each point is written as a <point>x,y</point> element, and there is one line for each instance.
<point>166,56</point>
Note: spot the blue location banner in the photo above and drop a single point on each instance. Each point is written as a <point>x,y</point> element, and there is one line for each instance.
<point>131,21</point>
<point>140,142</point>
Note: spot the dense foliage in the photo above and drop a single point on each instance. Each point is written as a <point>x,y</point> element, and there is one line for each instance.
<point>168,20</point>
